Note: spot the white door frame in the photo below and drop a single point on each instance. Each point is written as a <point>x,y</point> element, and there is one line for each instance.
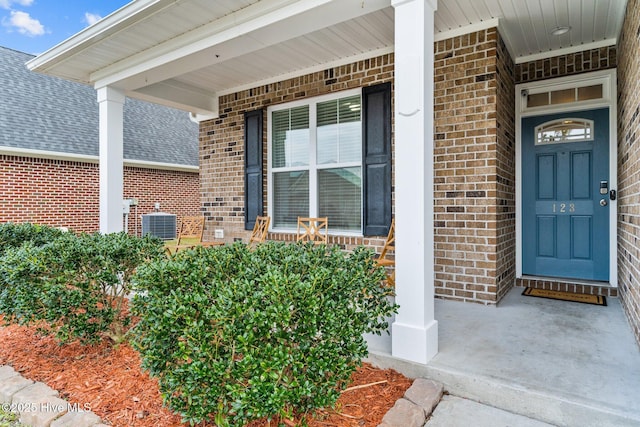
<point>609,95</point>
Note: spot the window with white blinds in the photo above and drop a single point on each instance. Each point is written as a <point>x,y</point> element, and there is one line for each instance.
<point>316,161</point>
<point>291,137</point>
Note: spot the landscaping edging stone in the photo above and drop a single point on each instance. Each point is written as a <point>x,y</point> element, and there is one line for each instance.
<point>416,406</point>
<point>38,405</point>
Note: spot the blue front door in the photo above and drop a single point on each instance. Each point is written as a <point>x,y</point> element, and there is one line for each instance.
<point>565,195</point>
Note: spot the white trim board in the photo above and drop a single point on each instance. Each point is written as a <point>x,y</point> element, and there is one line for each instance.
<point>609,100</point>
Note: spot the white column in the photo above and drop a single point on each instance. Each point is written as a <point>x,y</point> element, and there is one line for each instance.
<point>415,330</point>
<point>111,105</point>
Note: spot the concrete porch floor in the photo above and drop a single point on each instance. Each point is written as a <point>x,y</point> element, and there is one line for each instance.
<point>564,363</point>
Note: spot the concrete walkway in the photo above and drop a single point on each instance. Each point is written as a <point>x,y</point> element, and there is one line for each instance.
<point>38,405</point>
<point>457,412</point>
<point>416,409</point>
<point>563,363</point>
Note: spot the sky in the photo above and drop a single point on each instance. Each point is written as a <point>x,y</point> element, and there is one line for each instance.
<point>35,26</point>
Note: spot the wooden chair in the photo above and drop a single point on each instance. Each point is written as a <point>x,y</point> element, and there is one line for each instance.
<point>260,230</point>
<point>312,230</point>
<point>190,234</point>
<point>384,260</point>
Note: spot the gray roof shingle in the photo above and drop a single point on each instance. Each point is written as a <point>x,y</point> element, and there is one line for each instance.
<point>46,113</point>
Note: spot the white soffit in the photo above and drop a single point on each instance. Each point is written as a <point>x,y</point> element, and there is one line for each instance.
<point>139,26</point>
<point>526,25</point>
<point>186,53</point>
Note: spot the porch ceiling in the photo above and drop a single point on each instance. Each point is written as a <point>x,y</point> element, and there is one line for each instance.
<point>526,25</point>
<point>185,53</point>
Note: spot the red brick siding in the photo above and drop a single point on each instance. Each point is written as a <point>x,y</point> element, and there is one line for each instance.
<point>177,192</point>
<point>506,172</point>
<point>52,192</point>
<point>567,285</point>
<point>222,142</point>
<point>474,168</point>
<point>602,58</point>
<point>629,165</point>
<point>65,194</point>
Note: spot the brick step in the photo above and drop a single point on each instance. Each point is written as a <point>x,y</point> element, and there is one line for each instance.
<point>568,285</point>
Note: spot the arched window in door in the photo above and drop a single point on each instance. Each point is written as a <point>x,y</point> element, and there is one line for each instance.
<point>564,130</point>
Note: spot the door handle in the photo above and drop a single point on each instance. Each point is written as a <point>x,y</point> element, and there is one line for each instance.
<point>603,202</point>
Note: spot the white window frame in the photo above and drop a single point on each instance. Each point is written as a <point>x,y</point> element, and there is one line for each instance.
<point>603,78</point>
<point>313,167</point>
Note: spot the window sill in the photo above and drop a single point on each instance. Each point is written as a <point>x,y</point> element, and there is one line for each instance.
<point>335,233</point>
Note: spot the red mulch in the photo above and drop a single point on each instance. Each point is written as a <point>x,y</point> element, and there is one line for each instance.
<point>108,381</point>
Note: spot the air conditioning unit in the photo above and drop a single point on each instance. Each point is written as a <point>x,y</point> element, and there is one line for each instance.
<point>159,224</point>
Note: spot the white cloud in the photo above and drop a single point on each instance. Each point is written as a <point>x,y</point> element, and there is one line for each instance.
<point>6,4</point>
<point>91,18</point>
<point>24,23</point>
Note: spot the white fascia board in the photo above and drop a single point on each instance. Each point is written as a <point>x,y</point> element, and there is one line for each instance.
<point>117,21</point>
<point>267,22</point>
<point>85,158</point>
<point>566,50</point>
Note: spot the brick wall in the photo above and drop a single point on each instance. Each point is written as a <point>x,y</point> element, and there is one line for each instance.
<point>602,58</point>
<point>222,142</point>
<point>177,192</point>
<point>52,192</point>
<point>474,154</point>
<point>65,193</point>
<point>474,168</point>
<point>629,166</point>
<point>505,172</point>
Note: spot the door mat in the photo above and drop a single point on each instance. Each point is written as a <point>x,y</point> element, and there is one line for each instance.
<point>565,296</point>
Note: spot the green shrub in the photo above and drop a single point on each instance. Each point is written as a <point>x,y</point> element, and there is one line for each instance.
<point>76,284</point>
<point>14,235</point>
<point>239,334</point>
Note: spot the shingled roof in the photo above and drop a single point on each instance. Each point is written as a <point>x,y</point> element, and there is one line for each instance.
<point>40,112</point>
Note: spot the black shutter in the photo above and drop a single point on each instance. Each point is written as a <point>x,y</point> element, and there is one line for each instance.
<point>253,202</point>
<point>376,159</point>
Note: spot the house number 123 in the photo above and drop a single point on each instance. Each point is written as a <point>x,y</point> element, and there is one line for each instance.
<point>563,207</point>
